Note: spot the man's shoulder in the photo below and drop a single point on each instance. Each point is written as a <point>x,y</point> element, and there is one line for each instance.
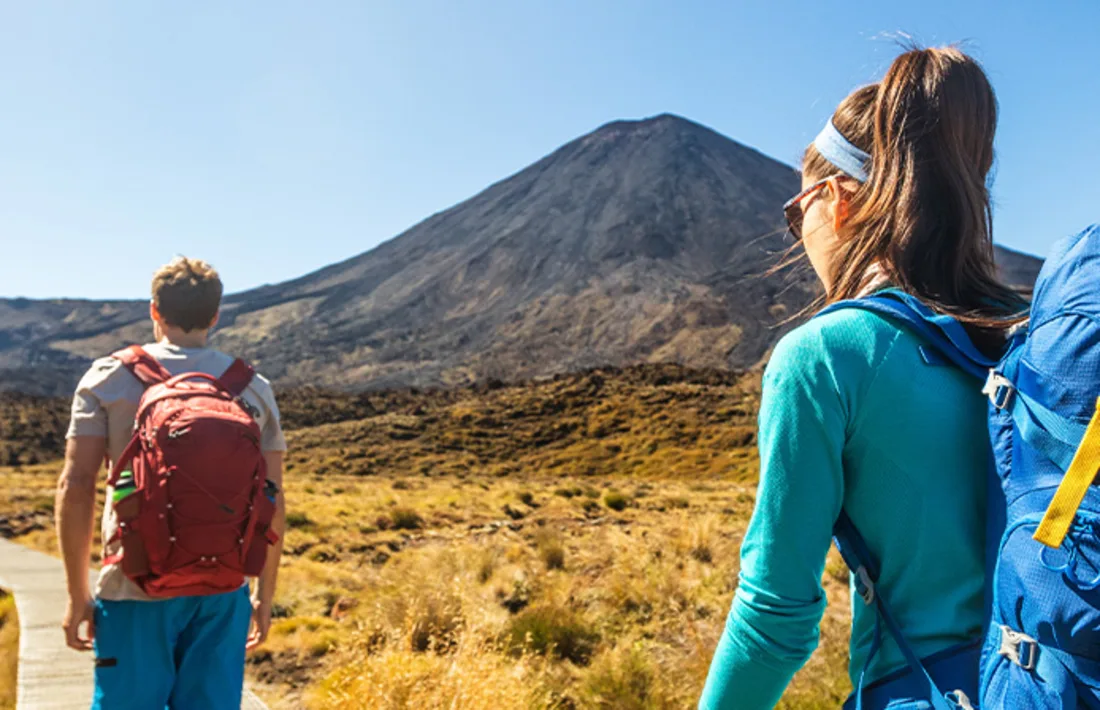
<point>263,389</point>
<point>101,371</point>
<point>260,385</point>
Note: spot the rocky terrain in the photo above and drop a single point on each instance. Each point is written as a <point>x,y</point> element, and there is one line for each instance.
<point>643,241</point>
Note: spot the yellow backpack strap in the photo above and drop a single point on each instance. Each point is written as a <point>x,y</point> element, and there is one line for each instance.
<point>1075,484</point>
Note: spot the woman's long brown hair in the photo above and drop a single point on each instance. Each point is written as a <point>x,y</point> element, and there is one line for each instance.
<point>923,218</point>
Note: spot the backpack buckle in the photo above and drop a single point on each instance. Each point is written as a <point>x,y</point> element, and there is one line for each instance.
<point>960,700</point>
<point>999,389</point>
<point>864,586</point>
<point>1019,648</point>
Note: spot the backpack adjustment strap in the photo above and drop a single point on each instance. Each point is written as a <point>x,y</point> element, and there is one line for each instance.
<point>1019,648</point>
<point>999,389</point>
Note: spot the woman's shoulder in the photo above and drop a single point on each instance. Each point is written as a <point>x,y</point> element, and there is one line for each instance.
<point>848,334</point>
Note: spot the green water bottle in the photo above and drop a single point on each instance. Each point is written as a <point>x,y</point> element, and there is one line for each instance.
<point>124,487</point>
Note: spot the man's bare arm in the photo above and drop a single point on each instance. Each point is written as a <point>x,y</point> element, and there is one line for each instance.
<point>264,596</point>
<point>74,511</point>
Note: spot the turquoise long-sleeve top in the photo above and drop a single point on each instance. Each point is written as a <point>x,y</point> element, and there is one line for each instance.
<point>853,417</point>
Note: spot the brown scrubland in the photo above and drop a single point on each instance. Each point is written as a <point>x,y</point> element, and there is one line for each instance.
<point>566,543</point>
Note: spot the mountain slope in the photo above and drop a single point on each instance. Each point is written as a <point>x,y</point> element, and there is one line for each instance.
<point>642,241</point>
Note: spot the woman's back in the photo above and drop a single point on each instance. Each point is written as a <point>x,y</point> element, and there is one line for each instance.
<point>915,460</point>
<point>853,417</point>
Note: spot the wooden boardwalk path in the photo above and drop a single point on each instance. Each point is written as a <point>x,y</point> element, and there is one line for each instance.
<point>51,675</point>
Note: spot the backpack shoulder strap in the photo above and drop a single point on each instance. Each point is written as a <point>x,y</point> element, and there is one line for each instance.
<point>237,377</point>
<point>857,556</point>
<point>146,368</point>
<point>943,333</point>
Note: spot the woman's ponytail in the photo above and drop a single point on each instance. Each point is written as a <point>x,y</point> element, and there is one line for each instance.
<point>923,216</point>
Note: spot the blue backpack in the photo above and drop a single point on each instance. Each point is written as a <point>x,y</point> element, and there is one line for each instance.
<point>1042,648</point>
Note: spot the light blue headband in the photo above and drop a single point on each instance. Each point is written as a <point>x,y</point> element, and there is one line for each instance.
<point>839,151</point>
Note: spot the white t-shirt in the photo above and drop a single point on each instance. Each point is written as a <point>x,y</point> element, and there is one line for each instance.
<point>106,403</point>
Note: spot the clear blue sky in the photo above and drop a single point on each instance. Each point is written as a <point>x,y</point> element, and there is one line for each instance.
<point>273,138</point>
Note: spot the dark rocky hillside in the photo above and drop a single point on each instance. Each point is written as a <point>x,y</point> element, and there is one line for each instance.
<point>644,241</point>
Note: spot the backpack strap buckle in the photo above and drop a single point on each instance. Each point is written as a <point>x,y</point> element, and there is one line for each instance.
<point>1019,648</point>
<point>864,586</point>
<point>999,389</point>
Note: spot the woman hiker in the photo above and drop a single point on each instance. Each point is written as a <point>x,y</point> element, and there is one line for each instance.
<point>854,418</point>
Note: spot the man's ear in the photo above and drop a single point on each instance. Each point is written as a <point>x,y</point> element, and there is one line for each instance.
<point>154,314</point>
<point>214,322</point>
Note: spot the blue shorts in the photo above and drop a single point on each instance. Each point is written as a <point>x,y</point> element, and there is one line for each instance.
<point>185,653</point>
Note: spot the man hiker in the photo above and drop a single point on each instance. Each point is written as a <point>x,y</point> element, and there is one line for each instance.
<point>194,507</point>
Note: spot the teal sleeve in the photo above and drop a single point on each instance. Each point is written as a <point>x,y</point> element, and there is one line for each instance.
<point>772,628</point>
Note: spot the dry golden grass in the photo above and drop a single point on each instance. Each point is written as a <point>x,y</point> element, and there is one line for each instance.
<point>557,604</point>
<point>376,617</point>
<point>572,544</point>
<point>9,650</point>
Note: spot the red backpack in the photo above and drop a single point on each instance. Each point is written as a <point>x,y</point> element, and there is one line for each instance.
<point>190,490</point>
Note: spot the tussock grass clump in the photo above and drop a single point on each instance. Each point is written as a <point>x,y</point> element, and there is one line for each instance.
<point>552,630</point>
<point>551,548</point>
<point>406,519</point>
<point>700,539</point>
<point>298,520</point>
<point>323,553</point>
<point>419,604</point>
<point>9,650</point>
<point>434,621</point>
<point>311,588</point>
<point>310,636</point>
<point>516,597</point>
<point>616,501</point>
<point>486,566</point>
<point>624,678</point>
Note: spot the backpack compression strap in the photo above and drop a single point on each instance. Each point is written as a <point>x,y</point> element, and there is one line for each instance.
<point>237,377</point>
<point>1079,477</point>
<point>142,365</point>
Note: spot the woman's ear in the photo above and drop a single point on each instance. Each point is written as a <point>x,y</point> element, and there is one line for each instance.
<point>840,205</point>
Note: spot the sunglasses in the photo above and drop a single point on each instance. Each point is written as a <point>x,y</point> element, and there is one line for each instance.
<point>792,208</point>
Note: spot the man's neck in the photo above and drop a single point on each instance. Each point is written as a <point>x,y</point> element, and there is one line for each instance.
<point>184,340</point>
